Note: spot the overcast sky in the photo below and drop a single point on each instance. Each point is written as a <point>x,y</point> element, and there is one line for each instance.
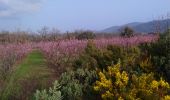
<point>78,14</point>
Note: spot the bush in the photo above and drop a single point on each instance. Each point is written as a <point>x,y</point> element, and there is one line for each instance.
<point>117,84</point>
<point>72,85</point>
<point>52,94</point>
<point>76,84</point>
<point>160,55</point>
<point>94,58</point>
<point>86,59</point>
<point>128,55</point>
<point>71,88</point>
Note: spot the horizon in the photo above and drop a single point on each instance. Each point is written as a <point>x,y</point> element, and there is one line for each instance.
<point>75,15</point>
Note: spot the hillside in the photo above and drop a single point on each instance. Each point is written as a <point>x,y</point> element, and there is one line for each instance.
<point>141,27</point>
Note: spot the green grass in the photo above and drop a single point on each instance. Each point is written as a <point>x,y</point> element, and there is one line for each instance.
<point>33,67</point>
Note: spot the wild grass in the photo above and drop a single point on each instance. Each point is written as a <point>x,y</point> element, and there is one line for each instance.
<point>32,72</point>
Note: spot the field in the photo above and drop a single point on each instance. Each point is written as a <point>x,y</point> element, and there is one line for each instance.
<point>119,67</point>
<point>84,49</point>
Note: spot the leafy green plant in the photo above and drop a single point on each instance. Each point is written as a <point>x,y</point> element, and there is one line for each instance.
<point>94,58</point>
<point>53,93</point>
<point>71,88</point>
<point>117,84</point>
<point>100,58</point>
<point>76,84</point>
<point>160,55</point>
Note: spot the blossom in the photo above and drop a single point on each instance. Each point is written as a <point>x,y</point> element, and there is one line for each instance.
<point>154,84</point>
<point>167,97</point>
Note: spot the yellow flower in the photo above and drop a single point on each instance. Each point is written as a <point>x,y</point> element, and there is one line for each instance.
<point>96,88</point>
<point>167,97</point>
<point>154,84</point>
<point>125,77</point>
<point>103,83</point>
<point>121,79</point>
<point>120,98</point>
<point>108,85</point>
<point>107,95</point>
<point>164,84</point>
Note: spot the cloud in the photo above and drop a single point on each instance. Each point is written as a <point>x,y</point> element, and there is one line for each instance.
<point>13,7</point>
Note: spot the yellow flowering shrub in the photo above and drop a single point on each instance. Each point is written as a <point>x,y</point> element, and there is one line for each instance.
<point>120,98</point>
<point>167,97</point>
<point>149,88</point>
<point>119,85</point>
<point>160,84</point>
<point>163,83</point>
<point>103,83</point>
<point>112,82</point>
<point>154,84</point>
<point>140,86</point>
<point>121,77</point>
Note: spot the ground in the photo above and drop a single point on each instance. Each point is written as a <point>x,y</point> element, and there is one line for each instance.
<point>31,74</point>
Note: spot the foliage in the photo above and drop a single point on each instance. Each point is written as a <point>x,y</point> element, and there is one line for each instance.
<point>146,65</point>
<point>76,84</point>
<point>131,78</point>
<point>160,55</point>
<point>63,53</point>
<point>100,58</point>
<point>71,88</point>
<point>112,84</point>
<point>146,87</point>
<point>117,84</point>
<point>52,94</point>
<point>167,97</point>
<point>129,56</point>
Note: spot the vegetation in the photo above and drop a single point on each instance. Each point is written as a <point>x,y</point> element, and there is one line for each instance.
<point>117,84</point>
<point>52,94</point>
<point>32,73</point>
<point>85,67</point>
<point>160,55</point>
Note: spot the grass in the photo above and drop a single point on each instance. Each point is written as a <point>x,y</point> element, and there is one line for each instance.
<point>32,72</point>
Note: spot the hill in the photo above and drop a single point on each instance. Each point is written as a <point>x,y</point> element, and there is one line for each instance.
<point>142,27</point>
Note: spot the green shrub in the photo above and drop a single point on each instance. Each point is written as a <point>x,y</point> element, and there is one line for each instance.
<point>160,55</point>
<point>94,58</point>
<point>128,55</point>
<point>85,61</point>
<point>88,58</point>
<point>53,93</point>
<point>76,84</point>
<point>71,88</point>
<point>115,84</point>
<point>117,52</point>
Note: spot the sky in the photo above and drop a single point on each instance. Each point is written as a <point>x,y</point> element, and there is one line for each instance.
<point>70,15</point>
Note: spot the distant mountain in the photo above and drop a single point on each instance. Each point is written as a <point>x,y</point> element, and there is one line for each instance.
<point>141,27</point>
